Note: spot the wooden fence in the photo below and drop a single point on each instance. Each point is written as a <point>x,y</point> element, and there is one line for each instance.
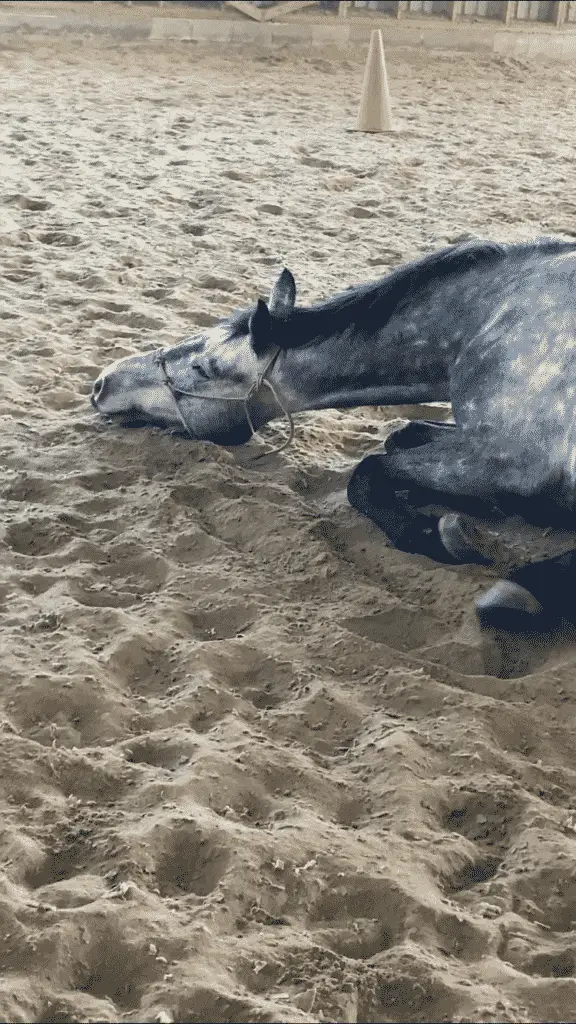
<point>553,12</point>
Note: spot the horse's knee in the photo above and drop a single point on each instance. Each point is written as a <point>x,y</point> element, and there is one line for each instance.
<point>371,493</point>
<point>364,487</point>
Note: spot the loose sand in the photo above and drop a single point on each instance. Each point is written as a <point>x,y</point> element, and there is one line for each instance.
<point>251,769</point>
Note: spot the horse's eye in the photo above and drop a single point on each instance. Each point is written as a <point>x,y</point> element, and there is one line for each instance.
<point>200,371</point>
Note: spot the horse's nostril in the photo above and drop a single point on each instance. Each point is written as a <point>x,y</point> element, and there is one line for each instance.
<point>97,390</point>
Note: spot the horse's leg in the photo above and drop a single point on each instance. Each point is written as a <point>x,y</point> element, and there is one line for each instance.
<point>535,598</point>
<point>391,489</point>
<point>456,536</point>
<point>416,433</point>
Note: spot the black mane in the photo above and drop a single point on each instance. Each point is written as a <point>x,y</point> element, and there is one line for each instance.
<point>382,297</point>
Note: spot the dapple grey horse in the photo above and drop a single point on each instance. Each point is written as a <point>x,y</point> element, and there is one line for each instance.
<point>490,328</point>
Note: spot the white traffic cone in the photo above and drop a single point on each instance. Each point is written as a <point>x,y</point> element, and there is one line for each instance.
<point>374,114</point>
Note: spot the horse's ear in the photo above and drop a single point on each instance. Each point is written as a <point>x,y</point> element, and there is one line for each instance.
<point>260,328</point>
<point>283,294</point>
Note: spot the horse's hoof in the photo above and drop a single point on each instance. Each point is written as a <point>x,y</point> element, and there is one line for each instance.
<point>461,539</point>
<point>510,608</point>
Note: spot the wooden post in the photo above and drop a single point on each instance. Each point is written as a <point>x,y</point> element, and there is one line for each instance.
<point>509,11</point>
<point>560,13</point>
<point>402,8</point>
<point>343,8</point>
<point>250,10</point>
<point>455,9</point>
<point>270,13</point>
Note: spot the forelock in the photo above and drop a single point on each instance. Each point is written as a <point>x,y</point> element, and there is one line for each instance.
<point>238,323</point>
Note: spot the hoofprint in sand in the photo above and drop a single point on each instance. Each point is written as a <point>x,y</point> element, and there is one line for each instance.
<point>249,770</point>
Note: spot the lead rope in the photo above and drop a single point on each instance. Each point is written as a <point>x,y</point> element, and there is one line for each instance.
<point>261,380</point>
<point>285,444</point>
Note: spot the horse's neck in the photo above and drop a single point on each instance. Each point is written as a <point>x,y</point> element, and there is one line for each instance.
<point>400,363</point>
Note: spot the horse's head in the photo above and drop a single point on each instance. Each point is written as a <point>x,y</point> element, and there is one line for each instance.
<point>212,384</point>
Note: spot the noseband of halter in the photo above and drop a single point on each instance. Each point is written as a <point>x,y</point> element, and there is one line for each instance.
<point>260,382</point>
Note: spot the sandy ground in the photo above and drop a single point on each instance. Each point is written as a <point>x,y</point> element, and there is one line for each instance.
<point>251,769</point>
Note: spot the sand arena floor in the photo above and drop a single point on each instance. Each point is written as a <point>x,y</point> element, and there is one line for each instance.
<point>250,767</point>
